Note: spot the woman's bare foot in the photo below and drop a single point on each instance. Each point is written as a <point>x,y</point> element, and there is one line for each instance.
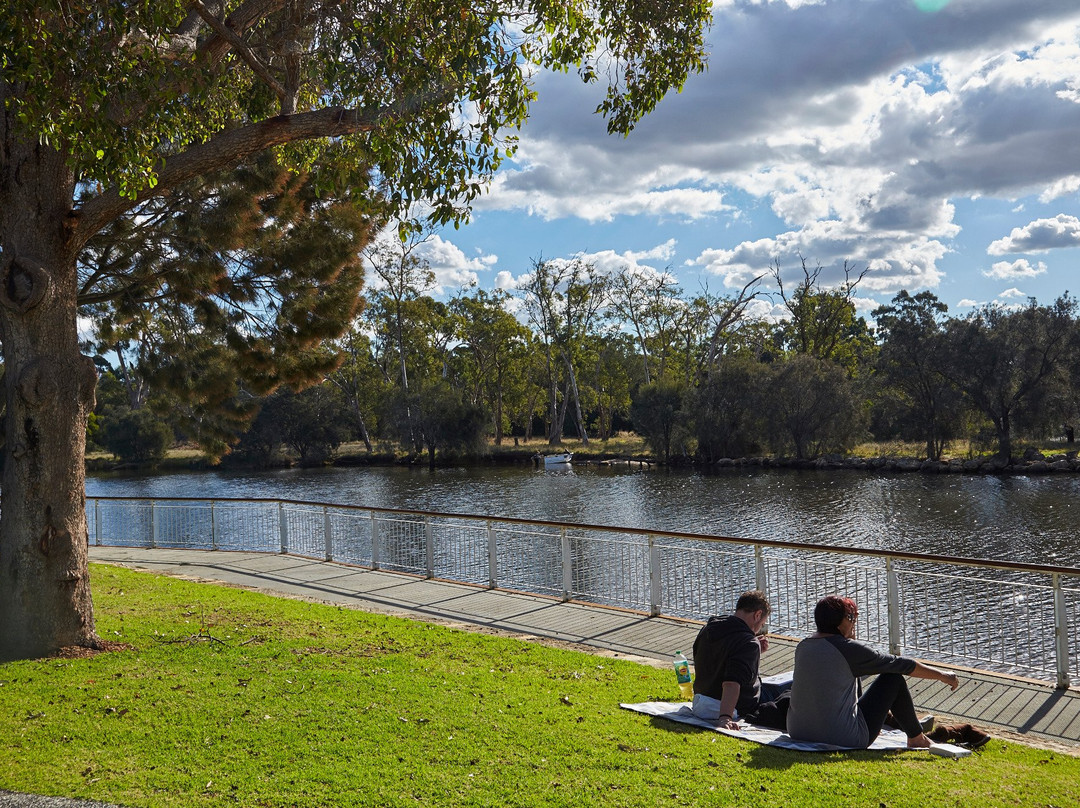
<point>920,741</point>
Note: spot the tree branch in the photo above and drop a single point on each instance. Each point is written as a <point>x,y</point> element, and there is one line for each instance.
<point>240,48</point>
<point>221,151</point>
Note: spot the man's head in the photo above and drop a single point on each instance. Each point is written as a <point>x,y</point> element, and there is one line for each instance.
<point>836,615</point>
<point>753,607</point>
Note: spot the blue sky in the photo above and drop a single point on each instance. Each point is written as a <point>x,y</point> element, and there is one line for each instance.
<point>936,143</point>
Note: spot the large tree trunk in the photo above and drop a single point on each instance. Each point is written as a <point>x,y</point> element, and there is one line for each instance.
<point>45,601</point>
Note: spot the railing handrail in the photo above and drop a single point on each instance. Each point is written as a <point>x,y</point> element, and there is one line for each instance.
<point>960,561</point>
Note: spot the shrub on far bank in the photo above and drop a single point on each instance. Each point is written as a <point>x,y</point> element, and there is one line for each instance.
<point>136,436</point>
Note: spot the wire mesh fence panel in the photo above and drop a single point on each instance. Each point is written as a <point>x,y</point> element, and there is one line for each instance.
<point>181,525</point>
<point>989,619</point>
<point>699,581</point>
<point>402,544</point>
<point>609,570</point>
<point>460,549</point>
<point>247,526</point>
<point>302,530</point>
<point>121,524</point>
<point>350,532</point>
<point>1071,595</point>
<point>796,582</point>
<point>529,559</point>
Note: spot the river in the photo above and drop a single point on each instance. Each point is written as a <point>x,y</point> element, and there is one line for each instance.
<point>1022,519</point>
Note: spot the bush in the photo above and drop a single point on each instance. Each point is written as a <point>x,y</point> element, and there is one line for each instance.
<point>136,436</point>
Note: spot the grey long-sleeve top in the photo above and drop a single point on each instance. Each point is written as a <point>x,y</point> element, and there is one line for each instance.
<point>825,690</point>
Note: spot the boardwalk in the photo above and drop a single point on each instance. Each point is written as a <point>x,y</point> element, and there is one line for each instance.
<point>1030,710</point>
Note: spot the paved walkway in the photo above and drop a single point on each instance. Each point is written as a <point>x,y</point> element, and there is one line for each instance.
<point>1033,711</point>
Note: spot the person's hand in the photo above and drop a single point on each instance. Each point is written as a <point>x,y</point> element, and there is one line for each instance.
<point>728,723</point>
<point>763,641</point>
<point>952,680</point>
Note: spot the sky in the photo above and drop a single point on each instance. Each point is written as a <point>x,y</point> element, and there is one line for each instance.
<point>935,144</point>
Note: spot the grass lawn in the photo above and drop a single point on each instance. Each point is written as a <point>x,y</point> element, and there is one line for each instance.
<point>229,697</point>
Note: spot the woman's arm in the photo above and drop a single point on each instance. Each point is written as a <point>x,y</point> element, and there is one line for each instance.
<point>928,672</point>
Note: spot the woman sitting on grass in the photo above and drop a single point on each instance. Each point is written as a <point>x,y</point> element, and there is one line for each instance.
<point>826,705</point>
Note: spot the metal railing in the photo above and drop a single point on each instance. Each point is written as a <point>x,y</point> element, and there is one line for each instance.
<point>1001,616</point>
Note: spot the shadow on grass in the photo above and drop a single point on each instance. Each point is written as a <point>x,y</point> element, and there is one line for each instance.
<point>763,756</point>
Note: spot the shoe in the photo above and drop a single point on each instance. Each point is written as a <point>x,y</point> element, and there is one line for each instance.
<point>973,738</point>
<point>927,724</point>
<point>963,735</point>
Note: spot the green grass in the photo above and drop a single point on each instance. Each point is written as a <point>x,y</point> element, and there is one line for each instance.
<point>294,703</point>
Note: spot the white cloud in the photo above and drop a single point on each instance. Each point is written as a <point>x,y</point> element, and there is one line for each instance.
<point>1012,294</point>
<point>892,266</point>
<point>452,268</point>
<point>1041,235</point>
<point>1022,268</point>
<point>661,252</point>
<point>855,123</point>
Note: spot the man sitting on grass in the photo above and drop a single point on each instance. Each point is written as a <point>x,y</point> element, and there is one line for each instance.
<point>727,687</point>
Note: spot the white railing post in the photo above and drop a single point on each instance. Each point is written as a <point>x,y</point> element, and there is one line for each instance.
<point>213,525</point>
<point>493,558</point>
<point>1061,633</point>
<point>655,584</point>
<point>567,565</point>
<point>283,527</point>
<point>374,542</point>
<point>761,583</point>
<point>429,547</point>
<point>97,523</point>
<point>892,596</point>
<point>328,534</point>
<point>153,524</point>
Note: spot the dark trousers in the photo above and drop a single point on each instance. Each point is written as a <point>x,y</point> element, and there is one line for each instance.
<point>889,692</point>
<point>772,708</point>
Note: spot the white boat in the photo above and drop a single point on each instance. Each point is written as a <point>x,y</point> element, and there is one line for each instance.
<point>556,459</point>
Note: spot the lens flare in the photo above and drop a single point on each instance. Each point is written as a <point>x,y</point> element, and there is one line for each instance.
<point>931,5</point>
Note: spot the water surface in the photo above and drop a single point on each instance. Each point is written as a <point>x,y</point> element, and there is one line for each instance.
<point>1023,519</point>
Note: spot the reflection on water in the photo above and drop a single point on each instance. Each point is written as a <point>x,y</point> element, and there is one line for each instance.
<point>1024,519</point>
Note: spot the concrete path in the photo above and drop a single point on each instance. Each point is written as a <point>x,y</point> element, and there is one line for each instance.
<point>1028,710</point>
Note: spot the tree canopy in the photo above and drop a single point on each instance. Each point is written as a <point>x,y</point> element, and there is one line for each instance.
<point>108,104</point>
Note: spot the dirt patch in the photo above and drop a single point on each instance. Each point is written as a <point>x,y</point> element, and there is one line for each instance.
<point>83,651</point>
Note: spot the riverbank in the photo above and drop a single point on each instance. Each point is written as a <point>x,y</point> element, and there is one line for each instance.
<point>630,450</point>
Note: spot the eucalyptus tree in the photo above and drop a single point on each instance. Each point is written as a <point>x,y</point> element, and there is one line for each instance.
<point>405,278</point>
<point>725,315</point>
<point>727,408</point>
<point>810,407</point>
<point>495,344</point>
<point>440,418</point>
<point>1005,359</point>
<point>912,369</point>
<point>705,327</point>
<point>822,322</point>
<point>360,381</point>
<point>312,423</point>
<point>109,103</point>
<point>412,343</point>
<point>564,301</point>
<point>659,416</point>
<point>612,372</point>
<point>650,303</point>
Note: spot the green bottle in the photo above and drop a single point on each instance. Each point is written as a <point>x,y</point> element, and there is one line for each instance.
<point>682,673</point>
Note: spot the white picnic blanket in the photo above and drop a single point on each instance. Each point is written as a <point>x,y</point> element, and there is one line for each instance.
<point>681,712</point>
